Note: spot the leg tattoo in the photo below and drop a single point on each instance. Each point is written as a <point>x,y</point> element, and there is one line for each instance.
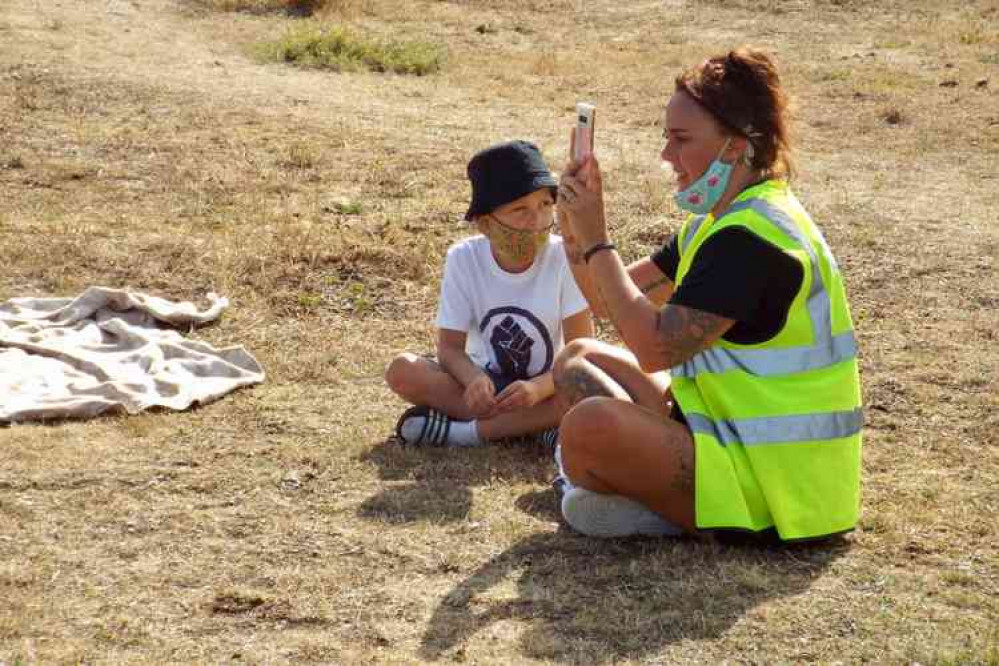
<point>683,478</point>
<point>576,383</point>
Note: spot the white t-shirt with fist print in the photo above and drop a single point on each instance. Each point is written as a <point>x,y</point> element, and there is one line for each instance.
<point>513,320</point>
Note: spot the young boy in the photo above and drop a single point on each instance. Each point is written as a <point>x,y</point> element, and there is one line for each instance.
<point>508,305</point>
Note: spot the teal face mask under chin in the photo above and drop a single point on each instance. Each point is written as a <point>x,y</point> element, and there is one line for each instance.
<point>702,195</point>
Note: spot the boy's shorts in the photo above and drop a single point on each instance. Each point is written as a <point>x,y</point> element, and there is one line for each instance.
<point>500,381</point>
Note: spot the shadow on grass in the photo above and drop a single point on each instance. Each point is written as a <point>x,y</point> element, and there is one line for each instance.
<point>591,601</point>
<point>435,484</point>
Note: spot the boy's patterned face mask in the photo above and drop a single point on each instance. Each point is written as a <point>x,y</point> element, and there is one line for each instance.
<point>518,246</point>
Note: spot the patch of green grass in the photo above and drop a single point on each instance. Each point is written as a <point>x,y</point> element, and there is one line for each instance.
<point>339,49</point>
<point>892,42</point>
<point>357,295</point>
<point>958,578</point>
<point>310,300</point>
<point>348,207</point>
<point>835,74</point>
<point>881,79</point>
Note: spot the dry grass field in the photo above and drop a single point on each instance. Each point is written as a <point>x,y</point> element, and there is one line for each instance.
<point>145,145</point>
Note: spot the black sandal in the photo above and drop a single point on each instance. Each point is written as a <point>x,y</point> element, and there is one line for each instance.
<point>549,438</point>
<point>436,426</point>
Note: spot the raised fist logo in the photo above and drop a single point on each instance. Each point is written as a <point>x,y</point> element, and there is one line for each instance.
<point>512,347</point>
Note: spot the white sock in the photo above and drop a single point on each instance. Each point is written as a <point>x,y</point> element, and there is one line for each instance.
<point>465,433</point>
<point>461,433</point>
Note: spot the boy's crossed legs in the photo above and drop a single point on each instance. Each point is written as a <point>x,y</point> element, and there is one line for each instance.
<point>422,381</point>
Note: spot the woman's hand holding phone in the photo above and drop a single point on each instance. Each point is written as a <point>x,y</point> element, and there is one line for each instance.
<point>580,194</point>
<point>572,249</point>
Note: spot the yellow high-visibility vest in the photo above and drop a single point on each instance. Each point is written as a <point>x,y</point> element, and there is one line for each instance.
<point>777,425</point>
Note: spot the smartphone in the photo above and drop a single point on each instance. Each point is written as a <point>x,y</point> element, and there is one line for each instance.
<point>586,116</point>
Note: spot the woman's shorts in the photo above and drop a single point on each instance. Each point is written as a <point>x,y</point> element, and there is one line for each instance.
<point>677,415</point>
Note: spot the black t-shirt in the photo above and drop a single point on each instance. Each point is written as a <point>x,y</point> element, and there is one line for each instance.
<point>738,275</point>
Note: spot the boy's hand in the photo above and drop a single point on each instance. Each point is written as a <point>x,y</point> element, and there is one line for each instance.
<point>480,395</point>
<point>518,395</point>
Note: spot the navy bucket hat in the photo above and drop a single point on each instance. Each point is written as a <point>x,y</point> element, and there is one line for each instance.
<point>505,172</point>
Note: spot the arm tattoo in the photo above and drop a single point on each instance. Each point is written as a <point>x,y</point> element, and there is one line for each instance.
<point>681,332</point>
<point>576,383</point>
<point>652,286</point>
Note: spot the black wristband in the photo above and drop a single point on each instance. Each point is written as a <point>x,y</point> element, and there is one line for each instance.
<point>597,248</point>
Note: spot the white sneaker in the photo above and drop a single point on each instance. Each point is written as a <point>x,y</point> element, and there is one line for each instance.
<point>599,515</point>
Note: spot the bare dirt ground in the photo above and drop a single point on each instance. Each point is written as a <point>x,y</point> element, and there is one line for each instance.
<point>142,147</point>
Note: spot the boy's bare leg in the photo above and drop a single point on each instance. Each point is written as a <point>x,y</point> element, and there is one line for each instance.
<point>544,415</point>
<point>422,381</point>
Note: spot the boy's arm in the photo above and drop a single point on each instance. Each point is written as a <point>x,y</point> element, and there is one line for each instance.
<point>579,325</point>
<point>651,281</point>
<point>452,357</point>
<point>479,390</point>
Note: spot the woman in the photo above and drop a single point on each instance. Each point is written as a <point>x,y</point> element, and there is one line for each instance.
<point>760,429</point>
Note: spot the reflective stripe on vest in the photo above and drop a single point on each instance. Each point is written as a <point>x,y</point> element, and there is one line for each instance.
<point>692,228</point>
<point>779,429</point>
<point>826,350</point>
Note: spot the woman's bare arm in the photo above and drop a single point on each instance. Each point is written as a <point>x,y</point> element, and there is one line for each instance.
<point>659,338</point>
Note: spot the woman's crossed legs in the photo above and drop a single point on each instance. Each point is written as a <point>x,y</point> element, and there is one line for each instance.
<point>617,437</point>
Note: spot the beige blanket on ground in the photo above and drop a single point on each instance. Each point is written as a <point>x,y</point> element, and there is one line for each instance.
<point>106,349</point>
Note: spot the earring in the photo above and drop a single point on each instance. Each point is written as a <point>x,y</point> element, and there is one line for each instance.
<point>748,154</point>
